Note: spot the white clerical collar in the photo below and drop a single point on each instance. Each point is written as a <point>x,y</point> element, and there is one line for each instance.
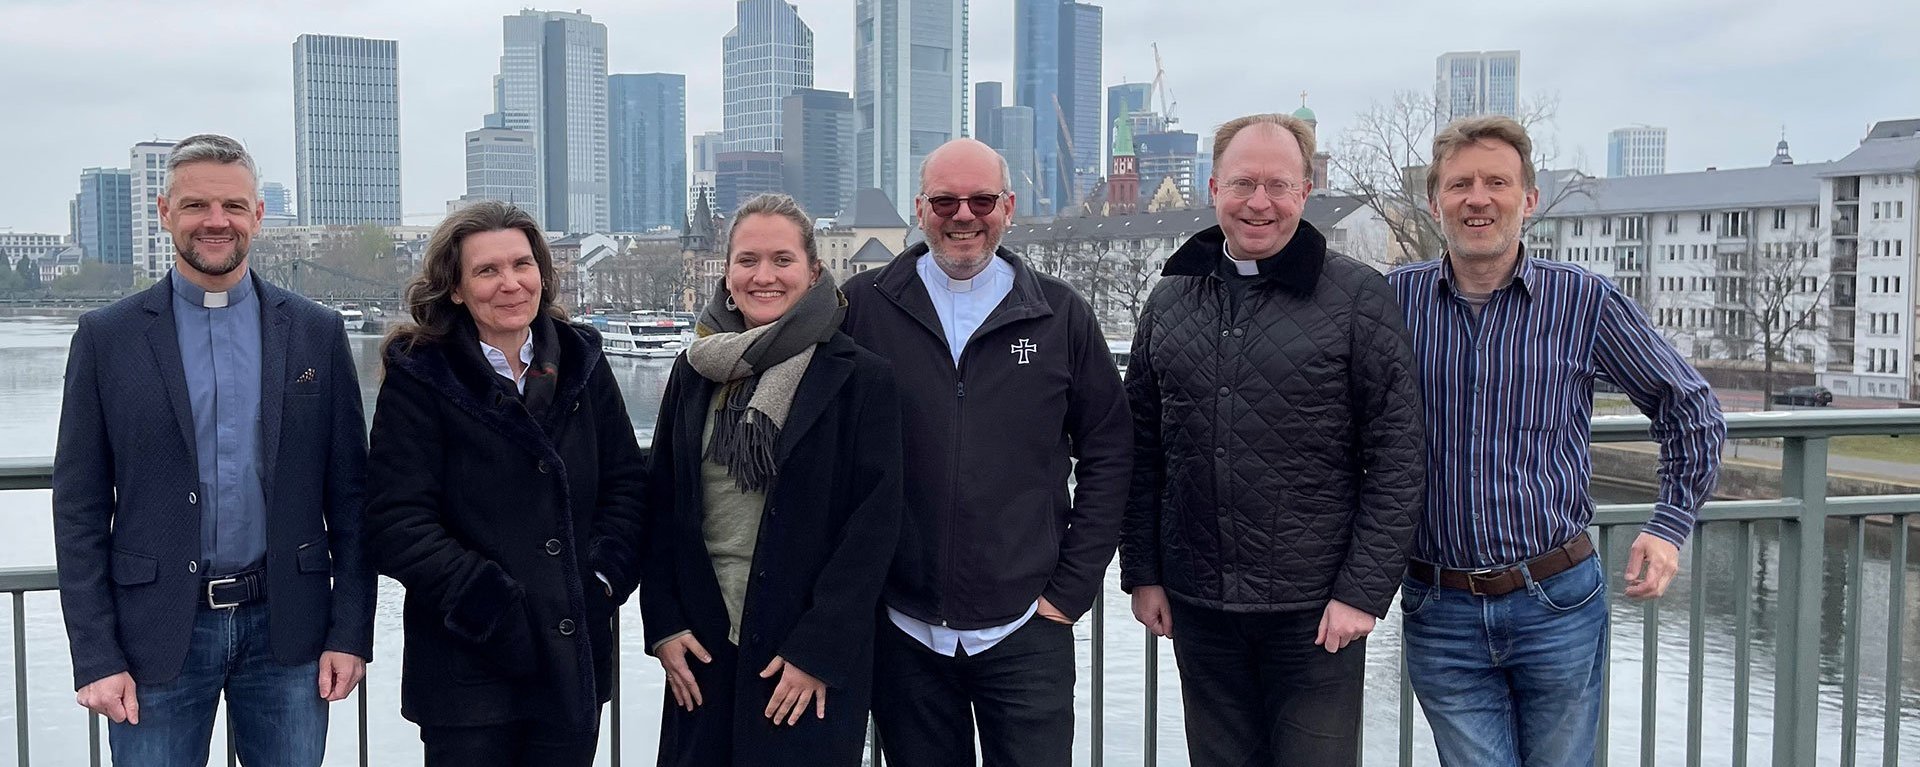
<point>932,274</point>
<point>960,286</point>
<point>1243,268</point>
<point>210,299</point>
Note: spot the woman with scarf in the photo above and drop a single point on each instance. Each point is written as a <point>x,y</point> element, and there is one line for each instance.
<point>773,502</point>
<point>501,453</point>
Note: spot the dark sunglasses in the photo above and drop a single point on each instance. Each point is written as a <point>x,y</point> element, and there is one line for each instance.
<point>945,206</point>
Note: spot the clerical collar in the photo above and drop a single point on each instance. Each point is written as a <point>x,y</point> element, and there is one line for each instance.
<point>934,275</point>
<point>196,296</point>
<point>960,286</point>
<point>1243,268</point>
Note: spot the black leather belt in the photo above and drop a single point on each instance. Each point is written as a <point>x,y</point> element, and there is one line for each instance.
<point>229,591</point>
<point>1493,582</point>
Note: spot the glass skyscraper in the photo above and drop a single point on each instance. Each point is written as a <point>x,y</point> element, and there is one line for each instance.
<point>346,130</point>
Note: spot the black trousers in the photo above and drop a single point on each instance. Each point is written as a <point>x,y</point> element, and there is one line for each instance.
<point>1020,691</point>
<point>1258,691</point>
<point>517,744</point>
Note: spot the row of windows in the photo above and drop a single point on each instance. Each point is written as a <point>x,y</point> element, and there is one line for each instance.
<point>1883,284</point>
<point>1884,323</point>
<point>1890,248</point>
<point>1895,210</point>
<point>1883,360</point>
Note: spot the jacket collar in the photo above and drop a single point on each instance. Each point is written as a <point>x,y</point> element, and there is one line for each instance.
<point>900,282</point>
<point>1296,268</point>
<point>464,378</point>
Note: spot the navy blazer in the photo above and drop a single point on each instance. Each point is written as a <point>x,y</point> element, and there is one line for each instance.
<point>126,488</point>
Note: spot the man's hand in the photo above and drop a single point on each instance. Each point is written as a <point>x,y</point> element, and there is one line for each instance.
<point>1651,566</point>
<point>1049,612</point>
<point>1340,624</point>
<point>790,697</point>
<point>339,672</point>
<point>111,697</point>
<point>673,658</point>
<point>1150,608</point>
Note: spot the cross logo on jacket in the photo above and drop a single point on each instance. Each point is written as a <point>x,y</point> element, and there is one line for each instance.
<point>1024,348</point>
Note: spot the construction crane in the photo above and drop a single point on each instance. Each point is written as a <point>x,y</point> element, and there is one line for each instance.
<point>1160,86</point>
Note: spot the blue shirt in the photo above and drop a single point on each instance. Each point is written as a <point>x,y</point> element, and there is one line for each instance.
<point>220,350</point>
<point>1509,401</point>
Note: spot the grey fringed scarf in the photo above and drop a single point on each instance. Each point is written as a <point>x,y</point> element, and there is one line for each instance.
<point>761,369</point>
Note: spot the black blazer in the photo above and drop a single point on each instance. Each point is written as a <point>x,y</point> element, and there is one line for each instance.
<point>826,540</point>
<point>487,514</point>
<point>126,486</point>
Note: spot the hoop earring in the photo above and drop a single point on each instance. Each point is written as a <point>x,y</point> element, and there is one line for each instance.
<point>730,306</point>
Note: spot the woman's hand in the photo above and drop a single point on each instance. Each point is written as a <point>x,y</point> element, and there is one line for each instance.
<point>796,688</point>
<point>673,658</point>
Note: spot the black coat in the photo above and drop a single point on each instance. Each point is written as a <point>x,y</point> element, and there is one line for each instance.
<point>826,538</point>
<point>484,513</point>
<point>991,444</point>
<point>1279,450</point>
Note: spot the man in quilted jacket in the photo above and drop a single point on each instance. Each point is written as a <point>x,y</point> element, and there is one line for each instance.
<point>1278,463</point>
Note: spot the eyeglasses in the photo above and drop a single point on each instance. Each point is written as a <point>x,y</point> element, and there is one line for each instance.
<point>946,205</point>
<point>1243,188</point>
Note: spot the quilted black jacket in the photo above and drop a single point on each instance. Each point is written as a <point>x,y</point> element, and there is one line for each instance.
<point>1279,451</point>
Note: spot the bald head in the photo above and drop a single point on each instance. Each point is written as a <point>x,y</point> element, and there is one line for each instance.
<point>962,156</point>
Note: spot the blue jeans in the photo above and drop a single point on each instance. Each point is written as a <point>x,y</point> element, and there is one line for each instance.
<point>277,713</point>
<point>1512,680</point>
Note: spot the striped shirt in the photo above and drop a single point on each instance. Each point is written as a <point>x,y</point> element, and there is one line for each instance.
<point>1509,397</point>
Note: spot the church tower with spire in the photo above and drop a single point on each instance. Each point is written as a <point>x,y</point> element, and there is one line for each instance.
<point>1123,174</point>
<point>1780,156</point>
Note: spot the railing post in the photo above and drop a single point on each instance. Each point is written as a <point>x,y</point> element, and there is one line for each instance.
<point>1099,681</point>
<point>1796,680</point>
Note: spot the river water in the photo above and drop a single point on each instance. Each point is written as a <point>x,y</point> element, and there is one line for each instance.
<point>33,353</point>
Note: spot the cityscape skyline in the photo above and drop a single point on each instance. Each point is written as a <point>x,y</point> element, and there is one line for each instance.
<point>1725,111</point>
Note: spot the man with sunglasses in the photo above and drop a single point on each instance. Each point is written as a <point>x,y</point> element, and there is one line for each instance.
<point>1278,464</point>
<point>1007,386</point>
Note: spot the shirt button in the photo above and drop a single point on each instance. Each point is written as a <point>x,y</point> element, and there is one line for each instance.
<point>553,546</point>
<point>193,497</point>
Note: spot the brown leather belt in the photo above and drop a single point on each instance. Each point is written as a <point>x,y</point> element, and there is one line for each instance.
<point>1495,582</point>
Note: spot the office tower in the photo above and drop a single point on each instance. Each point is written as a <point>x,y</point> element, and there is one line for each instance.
<point>819,144</point>
<point>1639,150</point>
<point>1056,62</point>
<point>503,164</point>
<point>987,97</point>
<point>767,55</point>
<point>553,83</point>
<point>1124,101</point>
<point>103,215</point>
<point>152,245</point>
<point>742,175</point>
<point>1469,83</point>
<point>647,129</point>
<point>910,75</point>
<point>346,130</point>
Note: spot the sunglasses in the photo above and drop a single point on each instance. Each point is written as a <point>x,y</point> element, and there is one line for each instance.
<point>945,206</point>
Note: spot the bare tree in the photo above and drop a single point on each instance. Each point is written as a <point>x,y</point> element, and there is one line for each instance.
<point>1778,296</point>
<point>1384,159</point>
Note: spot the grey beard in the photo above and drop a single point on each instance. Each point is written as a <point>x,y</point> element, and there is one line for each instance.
<point>949,265</point>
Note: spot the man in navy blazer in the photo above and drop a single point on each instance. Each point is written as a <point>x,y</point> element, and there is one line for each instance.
<point>207,492</point>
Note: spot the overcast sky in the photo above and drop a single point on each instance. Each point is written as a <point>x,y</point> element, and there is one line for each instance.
<point>81,82</point>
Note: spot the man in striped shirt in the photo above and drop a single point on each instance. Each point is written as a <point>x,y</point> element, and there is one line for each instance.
<point>1505,603</point>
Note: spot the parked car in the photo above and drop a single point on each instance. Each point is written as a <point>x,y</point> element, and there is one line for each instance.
<point>1811,396</point>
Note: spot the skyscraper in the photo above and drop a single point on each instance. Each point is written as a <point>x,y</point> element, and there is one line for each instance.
<point>276,199</point>
<point>1056,64</point>
<point>818,141</point>
<point>1639,150</point>
<point>553,82</point>
<point>742,175</point>
<point>647,126</point>
<point>1124,101</point>
<point>103,215</point>
<point>503,164</point>
<point>152,245</point>
<point>346,130</point>
<point>1008,130</point>
<point>910,76</point>
<point>767,55</point>
<point>1468,83</point>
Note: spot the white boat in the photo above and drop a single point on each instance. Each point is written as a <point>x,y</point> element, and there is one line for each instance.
<point>648,336</point>
<point>1122,352</point>
<point>356,320</point>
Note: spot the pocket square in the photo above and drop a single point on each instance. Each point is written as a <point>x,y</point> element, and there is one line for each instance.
<point>306,377</point>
